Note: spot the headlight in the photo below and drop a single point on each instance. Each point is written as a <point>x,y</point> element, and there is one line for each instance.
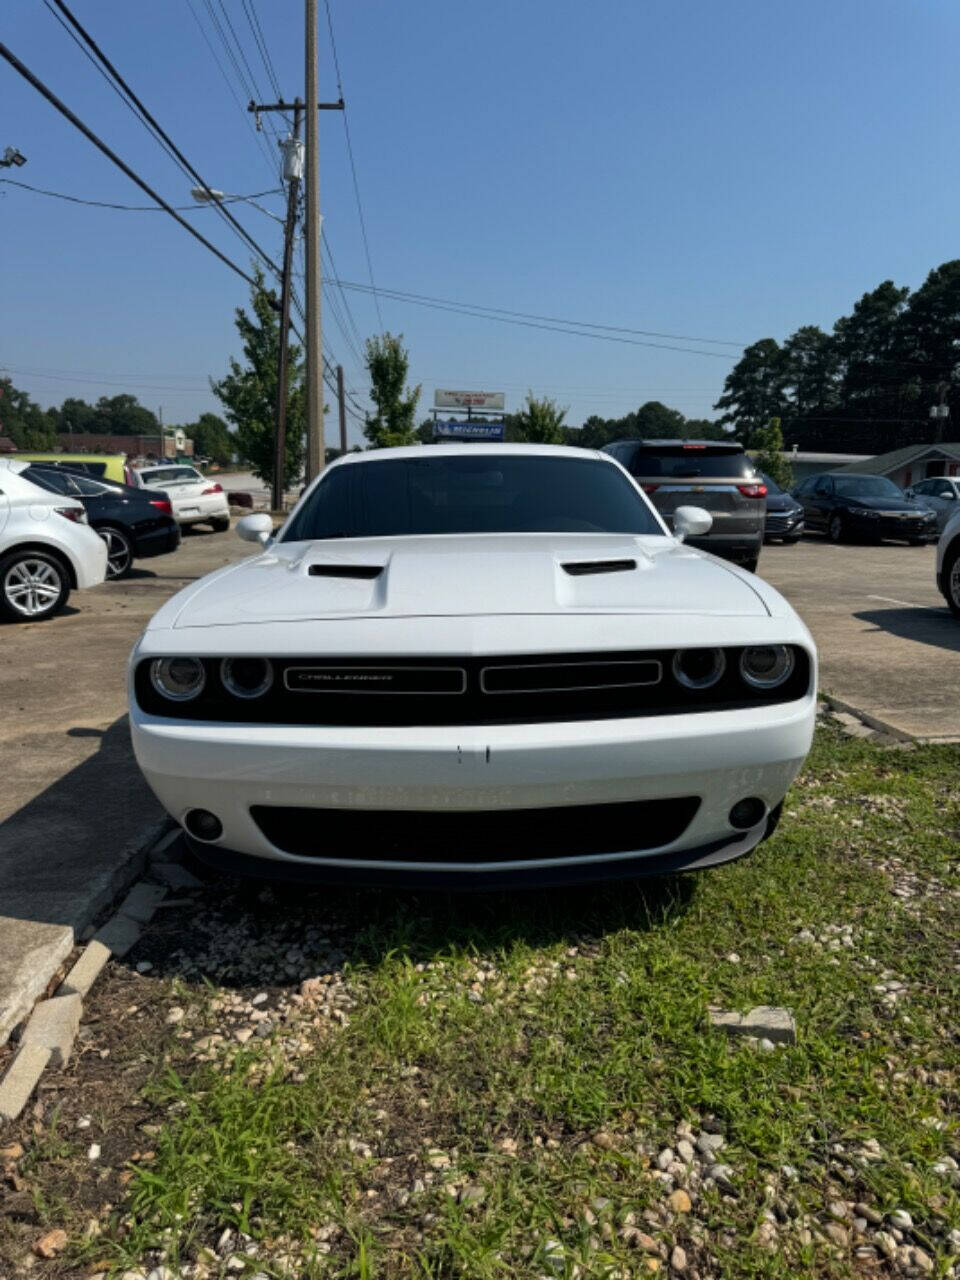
<point>698,668</point>
<point>179,679</point>
<point>768,666</point>
<point>246,677</point>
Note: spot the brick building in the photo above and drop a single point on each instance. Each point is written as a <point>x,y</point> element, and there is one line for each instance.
<point>173,444</point>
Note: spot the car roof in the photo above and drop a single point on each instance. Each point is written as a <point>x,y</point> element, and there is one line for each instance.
<point>853,475</point>
<point>469,449</point>
<point>730,446</point>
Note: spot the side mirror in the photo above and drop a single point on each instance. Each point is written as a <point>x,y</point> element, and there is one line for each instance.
<point>691,522</point>
<point>950,497</point>
<point>255,528</point>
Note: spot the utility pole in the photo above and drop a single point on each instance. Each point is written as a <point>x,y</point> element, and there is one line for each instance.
<point>341,400</point>
<point>314,334</point>
<point>292,168</point>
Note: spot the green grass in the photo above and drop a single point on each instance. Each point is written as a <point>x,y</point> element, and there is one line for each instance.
<point>547,1061</point>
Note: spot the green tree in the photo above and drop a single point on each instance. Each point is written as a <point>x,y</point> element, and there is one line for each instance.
<point>540,421</point>
<point>393,423</point>
<point>754,390</point>
<point>929,344</point>
<point>769,456</point>
<point>23,421</point>
<point>248,393</point>
<point>76,416</point>
<point>123,415</point>
<point>212,439</point>
<point>811,366</point>
<point>654,421</point>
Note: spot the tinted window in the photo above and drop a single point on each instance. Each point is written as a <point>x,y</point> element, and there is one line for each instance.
<point>169,475</point>
<point>52,479</point>
<point>823,486</point>
<point>91,488</point>
<point>684,461</point>
<point>866,487</point>
<point>493,493</point>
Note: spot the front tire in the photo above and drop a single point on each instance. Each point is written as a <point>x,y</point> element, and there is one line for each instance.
<point>221,524</point>
<point>835,528</point>
<point>951,580</point>
<point>119,552</point>
<point>33,586</point>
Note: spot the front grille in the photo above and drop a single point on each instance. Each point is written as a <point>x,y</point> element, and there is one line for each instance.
<point>528,689</point>
<point>485,836</point>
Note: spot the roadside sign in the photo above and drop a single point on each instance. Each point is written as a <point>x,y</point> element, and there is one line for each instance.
<point>461,429</point>
<point>469,400</point>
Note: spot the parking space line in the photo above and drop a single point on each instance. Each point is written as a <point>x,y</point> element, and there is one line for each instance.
<point>907,604</point>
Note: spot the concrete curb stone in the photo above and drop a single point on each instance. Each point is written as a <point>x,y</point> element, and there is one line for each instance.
<point>21,1079</point>
<point>86,970</point>
<point>54,1025</point>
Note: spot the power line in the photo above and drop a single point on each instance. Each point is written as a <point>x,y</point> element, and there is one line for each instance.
<point>353,166</point>
<point>181,158</point>
<point>136,208</point>
<point>88,133</point>
<point>247,89</point>
<point>250,9</point>
<point>258,137</point>
<point>467,309</point>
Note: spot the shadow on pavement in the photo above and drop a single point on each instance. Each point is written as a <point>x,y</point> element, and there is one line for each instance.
<point>936,627</point>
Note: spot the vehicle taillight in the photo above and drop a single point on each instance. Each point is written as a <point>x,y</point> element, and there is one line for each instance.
<point>753,490</point>
<point>650,488</point>
<point>77,514</point>
<point>162,504</point>
<point>217,488</point>
<point>694,446</point>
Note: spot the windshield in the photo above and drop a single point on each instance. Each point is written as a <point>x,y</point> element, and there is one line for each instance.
<point>865,487</point>
<point>170,475</point>
<point>491,493</point>
<point>693,461</point>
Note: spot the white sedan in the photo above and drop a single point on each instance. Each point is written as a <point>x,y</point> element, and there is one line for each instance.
<point>46,547</point>
<point>195,498</point>
<point>473,664</point>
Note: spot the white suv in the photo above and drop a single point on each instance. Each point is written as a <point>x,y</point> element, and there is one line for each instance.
<point>948,564</point>
<point>195,498</point>
<point>46,547</point>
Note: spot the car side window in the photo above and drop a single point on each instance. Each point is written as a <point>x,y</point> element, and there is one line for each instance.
<point>90,488</point>
<point>51,478</point>
<point>823,487</point>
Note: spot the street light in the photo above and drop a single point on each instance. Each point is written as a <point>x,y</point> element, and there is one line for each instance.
<point>13,157</point>
<point>204,195</point>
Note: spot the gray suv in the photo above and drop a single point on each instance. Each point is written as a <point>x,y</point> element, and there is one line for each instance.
<point>714,474</point>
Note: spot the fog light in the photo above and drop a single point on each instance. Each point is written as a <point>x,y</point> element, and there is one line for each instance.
<point>203,825</point>
<point>747,813</point>
<point>246,677</point>
<point>698,668</point>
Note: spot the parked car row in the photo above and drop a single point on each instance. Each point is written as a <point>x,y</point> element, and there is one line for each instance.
<point>70,522</point>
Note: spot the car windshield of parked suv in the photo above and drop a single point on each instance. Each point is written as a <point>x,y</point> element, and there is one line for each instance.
<point>692,461</point>
<point>493,493</point>
<point>865,487</point>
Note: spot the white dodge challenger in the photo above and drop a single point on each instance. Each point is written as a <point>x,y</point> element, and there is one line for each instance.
<point>473,665</point>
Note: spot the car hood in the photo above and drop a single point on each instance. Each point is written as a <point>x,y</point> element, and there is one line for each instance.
<point>885,504</point>
<point>466,576</point>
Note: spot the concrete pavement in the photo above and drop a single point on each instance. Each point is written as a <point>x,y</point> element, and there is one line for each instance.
<point>74,810</point>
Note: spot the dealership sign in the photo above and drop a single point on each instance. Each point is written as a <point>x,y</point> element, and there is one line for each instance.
<point>461,429</point>
<point>469,400</point>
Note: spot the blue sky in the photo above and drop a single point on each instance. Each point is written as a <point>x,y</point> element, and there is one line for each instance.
<point>719,170</point>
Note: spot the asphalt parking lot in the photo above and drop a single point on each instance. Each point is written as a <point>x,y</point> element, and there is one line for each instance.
<point>888,644</point>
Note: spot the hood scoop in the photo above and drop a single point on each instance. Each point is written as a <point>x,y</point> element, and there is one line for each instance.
<point>581,568</point>
<point>365,571</point>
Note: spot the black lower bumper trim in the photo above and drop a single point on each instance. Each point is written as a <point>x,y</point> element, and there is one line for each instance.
<point>245,866</point>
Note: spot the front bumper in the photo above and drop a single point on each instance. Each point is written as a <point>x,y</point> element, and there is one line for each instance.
<point>893,527</point>
<point>158,542</point>
<point>718,757</point>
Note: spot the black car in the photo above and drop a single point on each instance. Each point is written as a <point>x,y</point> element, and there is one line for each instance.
<point>784,518</point>
<point>134,523</point>
<point>845,505</point>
